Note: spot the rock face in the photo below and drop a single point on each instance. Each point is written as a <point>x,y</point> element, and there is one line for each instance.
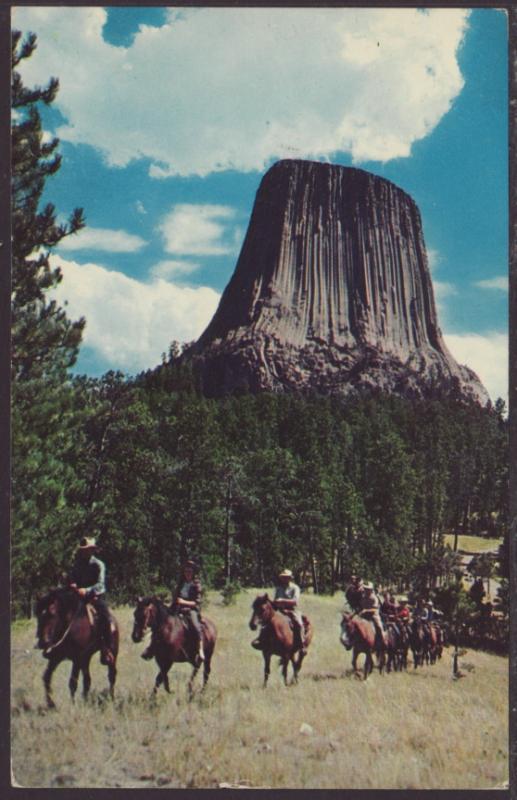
<point>331,293</point>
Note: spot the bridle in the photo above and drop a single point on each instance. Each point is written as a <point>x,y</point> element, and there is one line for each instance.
<point>55,645</point>
<point>148,613</point>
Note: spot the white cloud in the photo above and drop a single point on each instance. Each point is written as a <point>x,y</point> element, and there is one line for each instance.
<point>487,355</point>
<point>434,259</point>
<point>190,229</point>
<point>171,269</point>
<point>500,283</point>
<point>219,88</point>
<point>442,289</point>
<point>129,324</point>
<point>103,239</point>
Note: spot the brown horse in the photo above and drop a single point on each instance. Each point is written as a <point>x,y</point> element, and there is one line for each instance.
<point>418,643</point>
<point>277,637</point>
<point>433,642</point>
<point>172,640</point>
<point>69,629</point>
<point>359,635</point>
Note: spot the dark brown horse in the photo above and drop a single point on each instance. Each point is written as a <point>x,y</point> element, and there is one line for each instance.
<point>359,635</point>
<point>433,642</point>
<point>172,640</point>
<point>68,628</point>
<point>397,648</point>
<point>277,637</point>
<point>418,643</point>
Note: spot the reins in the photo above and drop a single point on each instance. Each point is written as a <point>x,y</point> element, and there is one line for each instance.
<point>65,634</point>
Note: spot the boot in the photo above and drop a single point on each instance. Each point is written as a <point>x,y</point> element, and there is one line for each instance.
<point>256,643</point>
<point>148,653</point>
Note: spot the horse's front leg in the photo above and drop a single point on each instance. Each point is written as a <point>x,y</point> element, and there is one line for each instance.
<point>87,678</point>
<point>74,676</point>
<point>47,679</point>
<point>267,666</point>
<point>195,670</point>
<point>112,677</point>
<point>285,665</point>
<point>355,653</point>
<point>368,664</point>
<point>206,669</point>
<point>297,665</point>
<point>163,676</point>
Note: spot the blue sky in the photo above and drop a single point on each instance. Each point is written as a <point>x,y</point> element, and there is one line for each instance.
<point>168,119</point>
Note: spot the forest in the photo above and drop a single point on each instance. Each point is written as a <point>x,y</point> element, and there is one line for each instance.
<point>245,484</point>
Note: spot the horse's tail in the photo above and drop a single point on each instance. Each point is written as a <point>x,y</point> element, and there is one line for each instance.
<point>308,630</point>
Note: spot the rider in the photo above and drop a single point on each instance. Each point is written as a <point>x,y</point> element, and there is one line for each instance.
<point>187,601</point>
<point>389,610</point>
<point>354,593</point>
<point>370,610</point>
<point>287,595</point>
<point>403,613</point>
<point>88,578</point>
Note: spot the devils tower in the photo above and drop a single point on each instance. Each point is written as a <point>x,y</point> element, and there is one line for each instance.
<point>331,293</point>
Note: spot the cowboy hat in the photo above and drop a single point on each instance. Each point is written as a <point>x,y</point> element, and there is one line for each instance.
<point>286,573</point>
<point>403,599</point>
<point>87,543</point>
<point>368,585</point>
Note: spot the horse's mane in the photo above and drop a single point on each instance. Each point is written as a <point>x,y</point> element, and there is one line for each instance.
<point>260,600</point>
<point>162,611</point>
<point>68,600</point>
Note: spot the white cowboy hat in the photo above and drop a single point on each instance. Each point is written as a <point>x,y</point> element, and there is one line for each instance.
<point>87,543</point>
<point>368,585</point>
<point>403,599</point>
<point>286,573</point>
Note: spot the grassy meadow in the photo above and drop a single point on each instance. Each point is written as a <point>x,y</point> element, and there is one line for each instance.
<point>473,544</point>
<point>414,730</point>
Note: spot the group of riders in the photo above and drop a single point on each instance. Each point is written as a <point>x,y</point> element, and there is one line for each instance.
<point>389,612</point>
<point>88,579</point>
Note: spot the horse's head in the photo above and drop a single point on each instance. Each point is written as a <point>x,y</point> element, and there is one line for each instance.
<point>347,626</point>
<point>52,613</point>
<point>261,610</point>
<point>144,616</point>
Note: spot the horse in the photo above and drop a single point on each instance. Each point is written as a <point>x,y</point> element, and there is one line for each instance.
<point>277,637</point>
<point>359,635</point>
<point>434,642</point>
<point>68,628</point>
<point>418,643</point>
<point>398,644</point>
<point>172,640</point>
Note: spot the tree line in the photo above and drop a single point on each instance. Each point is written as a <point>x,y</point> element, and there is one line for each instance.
<point>246,484</point>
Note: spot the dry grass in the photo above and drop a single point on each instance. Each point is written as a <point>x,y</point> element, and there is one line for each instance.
<point>409,731</point>
<point>473,544</point>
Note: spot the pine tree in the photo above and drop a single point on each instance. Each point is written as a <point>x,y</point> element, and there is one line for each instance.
<point>45,344</point>
<point>43,338</point>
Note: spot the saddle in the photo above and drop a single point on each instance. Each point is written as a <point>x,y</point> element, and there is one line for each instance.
<point>289,614</point>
